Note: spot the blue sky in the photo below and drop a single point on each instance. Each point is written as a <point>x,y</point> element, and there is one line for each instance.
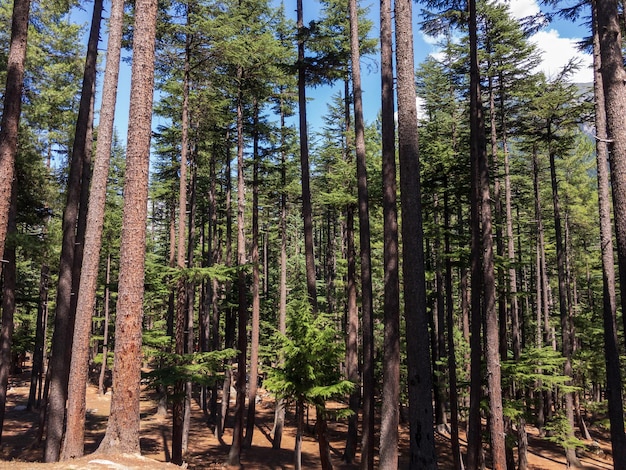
<point>557,41</point>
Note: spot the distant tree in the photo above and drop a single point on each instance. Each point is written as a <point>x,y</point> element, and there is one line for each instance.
<point>122,433</point>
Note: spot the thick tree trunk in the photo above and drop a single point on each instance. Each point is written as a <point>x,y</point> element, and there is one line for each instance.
<point>12,110</point>
<point>62,338</point>
<point>122,433</point>
<point>307,210</point>
<point>74,441</point>
<point>422,443</point>
<point>613,371</point>
<point>8,306</point>
<point>367,443</point>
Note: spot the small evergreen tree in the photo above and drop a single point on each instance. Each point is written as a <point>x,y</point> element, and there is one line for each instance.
<point>309,374</point>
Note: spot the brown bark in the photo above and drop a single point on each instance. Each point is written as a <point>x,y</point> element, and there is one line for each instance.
<point>74,440</point>
<point>178,407</point>
<point>483,235</point>
<point>122,433</point>
<point>234,454</point>
<point>105,329</point>
<point>613,372</point>
<point>422,443</point>
<point>613,81</point>
<point>71,253</point>
<point>256,281</point>
<point>307,210</point>
<point>279,417</point>
<point>11,111</point>
<point>454,399</point>
<point>8,306</point>
<point>34,398</point>
<point>566,333</point>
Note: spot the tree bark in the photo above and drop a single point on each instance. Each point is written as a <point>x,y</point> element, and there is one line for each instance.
<point>8,306</point>
<point>307,210</point>
<point>122,432</point>
<point>256,282</point>
<point>74,440</point>
<point>422,439</point>
<point>67,286</point>
<point>105,332</point>
<point>234,454</point>
<point>11,111</point>
<point>613,371</point>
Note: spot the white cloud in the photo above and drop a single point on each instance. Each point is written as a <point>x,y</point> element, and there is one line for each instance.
<point>557,51</point>
<point>523,8</point>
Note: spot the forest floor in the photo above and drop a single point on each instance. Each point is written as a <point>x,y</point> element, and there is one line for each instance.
<point>18,452</point>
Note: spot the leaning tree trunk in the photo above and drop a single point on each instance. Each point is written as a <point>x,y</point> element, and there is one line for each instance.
<point>422,443</point>
<point>122,432</point>
<point>75,428</point>
<point>64,315</point>
<point>12,110</point>
<point>611,347</point>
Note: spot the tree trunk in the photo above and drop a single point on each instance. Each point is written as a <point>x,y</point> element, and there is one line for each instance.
<point>454,399</point>
<point>12,110</point>
<point>234,454</point>
<point>64,316</point>
<point>190,305</point>
<point>74,441</point>
<point>566,346</point>
<point>8,305</point>
<point>105,332</point>
<point>422,443</point>
<point>307,211</point>
<point>492,341</point>
<point>34,398</point>
<point>611,347</point>
<point>256,282</point>
<point>279,417</point>
<point>122,432</point>
<point>613,76</point>
<point>321,426</point>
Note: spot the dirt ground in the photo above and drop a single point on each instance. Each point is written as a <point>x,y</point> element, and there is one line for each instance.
<point>18,452</point>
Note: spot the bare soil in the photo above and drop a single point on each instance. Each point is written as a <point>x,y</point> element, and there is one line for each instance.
<point>18,450</point>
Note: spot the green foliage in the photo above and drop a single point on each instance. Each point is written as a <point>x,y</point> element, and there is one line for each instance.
<point>539,368</point>
<point>311,354</point>
<point>559,431</point>
<point>200,368</point>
